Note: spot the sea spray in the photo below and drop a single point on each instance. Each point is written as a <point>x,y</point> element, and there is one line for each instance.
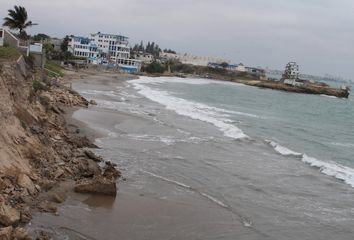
<point>194,110</point>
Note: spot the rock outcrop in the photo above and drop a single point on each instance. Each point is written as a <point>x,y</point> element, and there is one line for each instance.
<point>38,151</point>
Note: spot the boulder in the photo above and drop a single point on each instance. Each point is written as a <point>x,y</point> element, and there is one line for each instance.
<point>59,196</point>
<point>98,185</point>
<point>58,173</point>
<point>93,102</point>
<point>8,215</point>
<point>5,233</point>
<point>46,206</point>
<point>4,183</point>
<point>111,172</point>
<point>24,181</point>
<point>26,215</point>
<point>20,234</point>
<point>92,156</point>
<point>88,168</point>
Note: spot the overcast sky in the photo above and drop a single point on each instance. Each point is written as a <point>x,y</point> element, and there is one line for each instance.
<point>318,34</point>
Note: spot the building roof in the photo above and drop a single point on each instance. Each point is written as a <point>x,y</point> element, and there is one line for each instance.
<point>108,34</point>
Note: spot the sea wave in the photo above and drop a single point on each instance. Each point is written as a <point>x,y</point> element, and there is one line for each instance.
<point>282,150</point>
<point>336,170</point>
<point>194,110</point>
<point>347,145</point>
<point>209,197</point>
<point>168,140</point>
<point>343,173</point>
<point>98,92</point>
<point>245,220</point>
<point>324,95</point>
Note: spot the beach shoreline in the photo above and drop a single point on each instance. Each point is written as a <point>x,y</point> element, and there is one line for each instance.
<point>171,168</point>
<point>130,205</point>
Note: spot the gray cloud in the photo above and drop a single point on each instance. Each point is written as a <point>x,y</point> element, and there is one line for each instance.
<point>316,33</point>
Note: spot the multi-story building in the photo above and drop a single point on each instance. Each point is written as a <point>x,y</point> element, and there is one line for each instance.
<point>102,48</point>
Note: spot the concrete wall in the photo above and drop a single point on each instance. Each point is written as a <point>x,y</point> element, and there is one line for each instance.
<point>10,39</point>
<point>1,37</point>
<point>21,64</point>
<point>39,59</point>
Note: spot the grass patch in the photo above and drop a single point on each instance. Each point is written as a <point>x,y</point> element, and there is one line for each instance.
<point>38,86</point>
<point>54,69</point>
<point>9,53</point>
<point>45,101</point>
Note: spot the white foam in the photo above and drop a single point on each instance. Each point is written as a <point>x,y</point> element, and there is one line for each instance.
<point>282,150</point>
<point>336,170</point>
<point>194,110</point>
<point>324,95</point>
<point>98,92</point>
<point>194,81</point>
<point>209,197</point>
<point>347,145</point>
<point>168,140</point>
<point>213,199</point>
<point>332,169</point>
<point>168,180</point>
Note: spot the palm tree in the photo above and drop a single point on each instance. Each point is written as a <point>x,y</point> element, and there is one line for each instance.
<point>18,19</point>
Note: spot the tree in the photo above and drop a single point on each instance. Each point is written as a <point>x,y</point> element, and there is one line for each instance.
<point>18,19</point>
<point>40,37</point>
<point>224,65</point>
<point>154,67</point>
<point>64,45</point>
<point>141,47</point>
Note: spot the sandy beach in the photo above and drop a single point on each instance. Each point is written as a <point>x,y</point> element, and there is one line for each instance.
<point>183,179</point>
<point>136,213</point>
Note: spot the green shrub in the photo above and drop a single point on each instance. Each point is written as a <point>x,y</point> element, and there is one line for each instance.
<point>38,86</point>
<point>45,101</point>
<point>54,69</point>
<point>23,124</point>
<point>9,53</point>
<point>154,67</point>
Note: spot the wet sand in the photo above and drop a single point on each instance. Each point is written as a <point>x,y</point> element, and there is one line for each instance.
<point>182,184</point>
<point>135,213</point>
<point>138,216</point>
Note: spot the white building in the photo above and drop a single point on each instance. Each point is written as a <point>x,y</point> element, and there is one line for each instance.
<point>241,68</point>
<point>291,74</point>
<point>192,59</point>
<point>102,48</point>
<point>144,57</point>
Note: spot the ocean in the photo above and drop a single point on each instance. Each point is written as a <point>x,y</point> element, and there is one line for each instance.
<point>239,162</point>
<point>316,129</point>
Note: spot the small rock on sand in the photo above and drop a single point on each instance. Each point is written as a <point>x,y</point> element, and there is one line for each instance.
<point>8,215</point>
<point>5,233</point>
<point>20,234</point>
<point>46,206</point>
<point>59,196</point>
<point>92,156</point>
<point>25,182</point>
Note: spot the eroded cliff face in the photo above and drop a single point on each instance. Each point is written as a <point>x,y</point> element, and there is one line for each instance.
<point>16,113</point>
<point>37,150</point>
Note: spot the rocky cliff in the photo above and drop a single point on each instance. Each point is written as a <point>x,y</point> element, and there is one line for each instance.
<point>37,151</point>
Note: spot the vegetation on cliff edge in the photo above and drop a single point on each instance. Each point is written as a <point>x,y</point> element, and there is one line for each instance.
<point>9,53</point>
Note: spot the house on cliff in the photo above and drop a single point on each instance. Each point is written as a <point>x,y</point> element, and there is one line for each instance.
<point>35,49</point>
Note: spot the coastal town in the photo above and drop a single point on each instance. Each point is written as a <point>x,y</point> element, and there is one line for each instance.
<point>47,156</point>
<point>114,52</point>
